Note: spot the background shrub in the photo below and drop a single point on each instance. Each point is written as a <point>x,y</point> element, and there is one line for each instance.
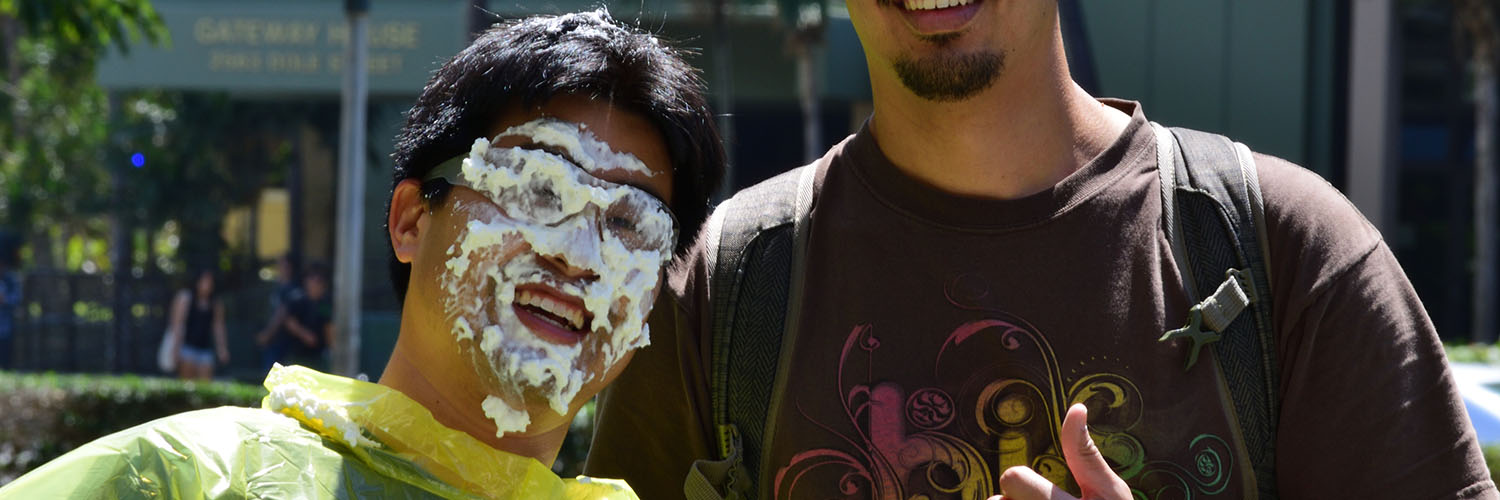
<point>43,416</point>
<point>1473,353</point>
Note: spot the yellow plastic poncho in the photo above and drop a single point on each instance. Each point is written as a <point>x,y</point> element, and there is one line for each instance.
<point>319,436</point>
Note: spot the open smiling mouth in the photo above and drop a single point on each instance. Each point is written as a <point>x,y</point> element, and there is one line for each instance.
<point>934,4</point>
<point>931,17</point>
<point>555,317</point>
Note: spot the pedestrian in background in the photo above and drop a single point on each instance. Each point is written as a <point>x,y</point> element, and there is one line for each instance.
<point>197,329</point>
<point>275,341</point>
<point>310,318</point>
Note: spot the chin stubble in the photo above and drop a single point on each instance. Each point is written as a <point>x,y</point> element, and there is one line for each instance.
<point>950,77</point>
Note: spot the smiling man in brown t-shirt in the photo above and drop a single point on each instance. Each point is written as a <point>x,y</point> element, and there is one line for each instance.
<point>988,251</point>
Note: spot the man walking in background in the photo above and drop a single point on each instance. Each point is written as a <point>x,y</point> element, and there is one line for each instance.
<point>309,318</point>
<point>275,341</point>
<point>991,260</point>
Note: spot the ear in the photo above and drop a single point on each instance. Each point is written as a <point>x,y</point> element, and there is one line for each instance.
<point>407,210</point>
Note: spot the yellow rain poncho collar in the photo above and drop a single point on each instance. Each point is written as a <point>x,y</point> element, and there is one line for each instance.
<point>319,436</point>
<point>370,417</point>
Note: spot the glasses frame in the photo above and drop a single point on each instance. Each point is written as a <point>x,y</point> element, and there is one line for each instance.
<point>451,172</point>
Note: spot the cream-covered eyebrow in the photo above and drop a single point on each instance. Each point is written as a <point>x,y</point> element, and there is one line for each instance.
<point>562,152</point>
<point>587,150</point>
<point>549,148</point>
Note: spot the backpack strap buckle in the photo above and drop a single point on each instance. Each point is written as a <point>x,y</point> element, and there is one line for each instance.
<point>1209,318</point>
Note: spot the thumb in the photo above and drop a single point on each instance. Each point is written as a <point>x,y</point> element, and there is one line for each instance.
<point>1095,479</point>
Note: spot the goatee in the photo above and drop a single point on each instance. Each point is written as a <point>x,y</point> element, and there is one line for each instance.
<point>950,77</point>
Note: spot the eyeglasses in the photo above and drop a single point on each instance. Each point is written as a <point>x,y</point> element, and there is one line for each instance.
<point>524,187</point>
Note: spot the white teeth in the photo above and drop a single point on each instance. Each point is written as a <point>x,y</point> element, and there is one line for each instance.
<point>934,4</point>
<point>571,314</point>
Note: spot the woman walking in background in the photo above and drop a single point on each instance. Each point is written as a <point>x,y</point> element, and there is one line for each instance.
<point>197,329</point>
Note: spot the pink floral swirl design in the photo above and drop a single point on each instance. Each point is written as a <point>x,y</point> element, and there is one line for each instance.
<point>929,409</point>
<point>996,399</point>
<point>889,459</point>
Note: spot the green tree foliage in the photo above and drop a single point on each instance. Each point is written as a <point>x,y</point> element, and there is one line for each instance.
<point>63,139</point>
<point>52,113</point>
<point>204,153</point>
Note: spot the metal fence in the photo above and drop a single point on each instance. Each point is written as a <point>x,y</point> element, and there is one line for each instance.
<point>71,322</point>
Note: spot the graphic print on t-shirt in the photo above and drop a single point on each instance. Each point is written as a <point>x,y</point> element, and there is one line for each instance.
<point>977,417</point>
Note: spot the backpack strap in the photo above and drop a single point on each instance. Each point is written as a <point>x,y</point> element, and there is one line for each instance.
<point>1214,218</point>
<point>757,242</point>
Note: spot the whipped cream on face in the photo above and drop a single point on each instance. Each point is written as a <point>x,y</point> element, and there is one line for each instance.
<point>559,221</point>
<point>591,153</point>
<point>504,416</point>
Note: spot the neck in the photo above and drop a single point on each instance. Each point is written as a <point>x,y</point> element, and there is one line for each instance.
<point>1022,135</point>
<point>454,397</point>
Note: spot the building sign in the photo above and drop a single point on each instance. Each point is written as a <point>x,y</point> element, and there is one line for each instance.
<point>280,45</point>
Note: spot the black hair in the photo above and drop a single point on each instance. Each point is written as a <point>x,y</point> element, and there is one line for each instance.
<point>525,63</point>
<point>196,273</point>
<point>316,269</point>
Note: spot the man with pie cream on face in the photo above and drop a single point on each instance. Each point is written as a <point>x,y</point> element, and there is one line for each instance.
<point>990,294</point>
<point>530,260</point>
<point>543,180</point>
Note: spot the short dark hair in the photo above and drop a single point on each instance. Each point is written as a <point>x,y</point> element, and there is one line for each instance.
<point>526,62</point>
<point>316,269</point>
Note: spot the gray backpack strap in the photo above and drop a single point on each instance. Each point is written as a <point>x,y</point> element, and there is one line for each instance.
<point>1215,219</point>
<point>757,241</point>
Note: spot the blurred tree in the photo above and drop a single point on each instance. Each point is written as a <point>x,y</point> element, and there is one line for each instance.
<point>203,154</point>
<point>723,90</point>
<point>1478,21</point>
<point>805,21</point>
<point>51,109</point>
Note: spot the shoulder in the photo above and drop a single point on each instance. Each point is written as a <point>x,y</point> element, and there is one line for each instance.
<point>735,222</point>
<point>187,449</point>
<point>298,301</point>
<point>210,428</point>
<point>1311,228</point>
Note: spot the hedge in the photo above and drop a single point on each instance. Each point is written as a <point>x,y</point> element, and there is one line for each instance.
<point>1473,353</point>
<point>43,416</point>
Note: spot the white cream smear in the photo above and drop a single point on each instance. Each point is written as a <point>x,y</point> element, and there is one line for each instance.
<point>555,209</point>
<point>333,415</point>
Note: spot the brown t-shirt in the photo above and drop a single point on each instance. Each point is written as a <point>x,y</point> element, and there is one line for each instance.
<point>943,337</point>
